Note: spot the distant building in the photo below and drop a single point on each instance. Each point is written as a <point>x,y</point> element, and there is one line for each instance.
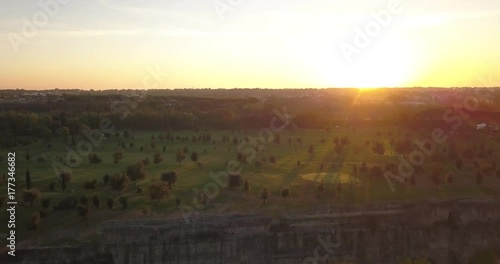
<point>482,126</point>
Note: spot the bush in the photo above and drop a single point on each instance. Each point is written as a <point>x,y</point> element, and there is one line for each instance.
<point>90,185</point>
<point>46,203</point>
<point>123,201</point>
<point>321,187</point>
<point>170,177</point>
<point>65,178</point>
<point>158,190</point>
<point>110,202</point>
<point>136,172</point>
<point>94,158</point>
<point>157,158</point>
<point>43,213</point>
<point>119,182</point>
<point>84,200</point>
<point>33,222</point>
<point>376,171</point>
<point>246,186</point>
<point>68,203</point>
<point>105,179</point>
<point>264,195</point>
<point>285,192</point>
<point>96,201</point>
<point>83,210</point>
<point>234,180</point>
<point>31,196</point>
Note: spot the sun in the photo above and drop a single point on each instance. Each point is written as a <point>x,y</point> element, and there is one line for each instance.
<point>386,63</point>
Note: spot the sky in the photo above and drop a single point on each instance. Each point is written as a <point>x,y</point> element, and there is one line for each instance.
<point>130,44</point>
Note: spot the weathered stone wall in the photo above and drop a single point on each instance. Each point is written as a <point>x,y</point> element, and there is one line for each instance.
<point>446,232</point>
<point>87,253</point>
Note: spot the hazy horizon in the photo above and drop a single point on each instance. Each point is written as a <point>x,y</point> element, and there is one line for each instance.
<point>111,44</point>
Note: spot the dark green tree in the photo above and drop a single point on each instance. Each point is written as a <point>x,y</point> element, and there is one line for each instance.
<point>170,177</point>
<point>28,179</point>
<point>194,157</point>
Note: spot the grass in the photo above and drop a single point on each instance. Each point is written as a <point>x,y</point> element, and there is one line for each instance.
<point>303,180</point>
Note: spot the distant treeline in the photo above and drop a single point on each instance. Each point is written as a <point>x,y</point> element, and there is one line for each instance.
<point>29,120</point>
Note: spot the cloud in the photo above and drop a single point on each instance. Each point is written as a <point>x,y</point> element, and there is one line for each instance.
<point>442,17</point>
<point>143,9</point>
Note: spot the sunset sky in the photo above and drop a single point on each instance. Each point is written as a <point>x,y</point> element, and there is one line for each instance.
<point>110,44</point>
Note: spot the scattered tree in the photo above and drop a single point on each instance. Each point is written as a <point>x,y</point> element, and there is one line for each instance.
<point>264,195</point>
<point>170,177</point>
<point>94,158</point>
<point>31,196</point>
<point>90,185</point>
<point>119,182</point>
<point>157,158</point>
<point>84,200</point>
<point>234,180</point>
<point>321,187</point>
<point>105,179</point>
<point>355,170</point>
<point>28,179</point>
<point>117,156</point>
<point>158,190</point>
<point>110,202</point>
<point>46,203</point>
<point>376,171</point>
<point>96,201</point>
<point>194,157</point>
<point>179,156</point>
<point>378,148</point>
<point>33,222</point>
<point>136,172</point>
<point>310,150</point>
<point>65,178</point>
<point>123,201</point>
<point>246,186</point>
<point>258,165</point>
<point>479,178</point>
<point>68,203</point>
<point>83,210</point>
<point>449,177</point>
<point>459,163</point>
<point>285,192</point>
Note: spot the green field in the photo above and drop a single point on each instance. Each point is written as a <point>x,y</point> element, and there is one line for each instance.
<point>335,169</point>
